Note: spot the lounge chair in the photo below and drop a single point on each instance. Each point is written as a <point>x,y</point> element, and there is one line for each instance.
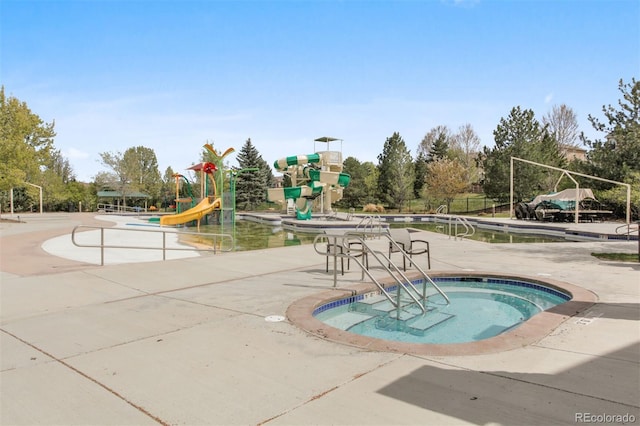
<point>352,249</point>
<point>412,247</point>
<point>338,250</point>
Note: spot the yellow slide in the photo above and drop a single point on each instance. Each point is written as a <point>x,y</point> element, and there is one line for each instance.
<point>195,213</point>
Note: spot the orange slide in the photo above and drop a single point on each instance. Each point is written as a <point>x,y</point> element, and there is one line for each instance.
<point>195,213</point>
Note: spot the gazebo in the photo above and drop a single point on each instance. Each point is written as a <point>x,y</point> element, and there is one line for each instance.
<point>115,197</point>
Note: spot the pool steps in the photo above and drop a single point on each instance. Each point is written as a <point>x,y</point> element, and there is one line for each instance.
<point>346,320</point>
<point>409,318</point>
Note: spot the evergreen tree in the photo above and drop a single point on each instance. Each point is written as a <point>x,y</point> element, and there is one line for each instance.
<point>355,194</point>
<point>420,168</point>
<point>251,187</point>
<point>397,174</point>
<point>618,155</point>
<point>436,143</point>
<point>520,135</point>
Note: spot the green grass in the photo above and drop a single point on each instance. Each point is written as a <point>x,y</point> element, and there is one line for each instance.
<point>620,257</point>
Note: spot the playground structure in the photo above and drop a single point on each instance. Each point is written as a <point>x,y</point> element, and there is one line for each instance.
<point>209,172</point>
<point>314,177</point>
<point>206,205</point>
<point>188,200</point>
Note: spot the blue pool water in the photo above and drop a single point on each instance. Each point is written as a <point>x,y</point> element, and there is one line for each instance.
<point>480,308</point>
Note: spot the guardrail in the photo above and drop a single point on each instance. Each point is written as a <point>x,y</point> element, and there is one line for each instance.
<point>469,230</point>
<point>115,208</point>
<point>628,229</point>
<point>338,246</point>
<point>217,240</point>
<point>370,224</point>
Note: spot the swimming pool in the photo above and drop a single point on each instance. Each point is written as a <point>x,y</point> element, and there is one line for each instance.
<point>476,292</point>
<point>479,308</point>
<point>250,235</point>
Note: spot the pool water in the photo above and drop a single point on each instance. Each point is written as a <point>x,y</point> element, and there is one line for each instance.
<point>255,236</point>
<point>480,308</point>
<point>484,235</point>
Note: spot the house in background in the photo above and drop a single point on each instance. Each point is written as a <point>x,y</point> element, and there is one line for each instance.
<point>573,153</point>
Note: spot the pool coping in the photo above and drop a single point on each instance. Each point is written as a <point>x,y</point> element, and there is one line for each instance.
<point>536,328</point>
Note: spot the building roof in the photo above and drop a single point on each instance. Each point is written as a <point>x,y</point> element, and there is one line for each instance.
<point>118,194</point>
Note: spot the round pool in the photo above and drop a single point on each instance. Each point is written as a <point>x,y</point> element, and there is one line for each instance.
<point>486,313</point>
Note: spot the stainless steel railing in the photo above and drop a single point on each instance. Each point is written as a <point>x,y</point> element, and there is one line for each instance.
<point>340,248</point>
<point>220,242</point>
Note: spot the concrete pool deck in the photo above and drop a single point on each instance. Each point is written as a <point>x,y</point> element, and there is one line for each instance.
<point>187,341</point>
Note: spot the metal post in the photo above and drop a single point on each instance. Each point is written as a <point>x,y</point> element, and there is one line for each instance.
<point>164,245</point>
<point>335,262</point>
<point>101,246</point>
<point>511,190</point>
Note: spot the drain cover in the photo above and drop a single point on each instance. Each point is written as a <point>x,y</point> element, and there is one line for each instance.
<point>274,318</point>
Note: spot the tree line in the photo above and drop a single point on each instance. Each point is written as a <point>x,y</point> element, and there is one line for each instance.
<point>446,164</point>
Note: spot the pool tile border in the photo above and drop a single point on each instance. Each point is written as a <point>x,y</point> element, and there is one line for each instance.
<point>300,313</point>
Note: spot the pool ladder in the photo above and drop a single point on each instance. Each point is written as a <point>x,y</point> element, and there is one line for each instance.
<point>452,222</point>
<point>370,225</point>
<point>342,246</point>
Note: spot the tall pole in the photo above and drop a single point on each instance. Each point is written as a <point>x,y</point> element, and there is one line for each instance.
<point>511,190</point>
<point>40,188</point>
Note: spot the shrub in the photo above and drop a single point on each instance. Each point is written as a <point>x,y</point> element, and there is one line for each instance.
<point>373,208</point>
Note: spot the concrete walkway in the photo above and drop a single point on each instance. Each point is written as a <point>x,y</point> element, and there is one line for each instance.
<point>191,341</point>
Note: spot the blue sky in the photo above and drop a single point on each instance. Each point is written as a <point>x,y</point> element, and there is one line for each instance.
<point>173,75</point>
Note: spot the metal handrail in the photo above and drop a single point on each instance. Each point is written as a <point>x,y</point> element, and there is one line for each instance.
<point>453,221</point>
<point>382,259</point>
<point>368,226</point>
<point>117,208</point>
<point>424,274</point>
<point>442,209</point>
<point>628,229</point>
<point>217,240</point>
<point>345,254</point>
<point>469,230</point>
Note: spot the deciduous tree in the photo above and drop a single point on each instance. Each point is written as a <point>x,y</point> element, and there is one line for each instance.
<point>25,143</point>
<point>445,179</point>
<point>465,148</point>
<point>562,123</point>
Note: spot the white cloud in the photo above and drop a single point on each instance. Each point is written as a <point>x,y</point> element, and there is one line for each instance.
<point>548,98</point>
<point>76,154</point>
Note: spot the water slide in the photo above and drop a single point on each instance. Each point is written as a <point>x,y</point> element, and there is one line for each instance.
<point>319,182</point>
<point>203,208</point>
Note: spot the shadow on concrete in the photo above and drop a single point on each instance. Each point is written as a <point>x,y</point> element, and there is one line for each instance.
<point>576,308</point>
<point>608,384</point>
<point>624,311</point>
